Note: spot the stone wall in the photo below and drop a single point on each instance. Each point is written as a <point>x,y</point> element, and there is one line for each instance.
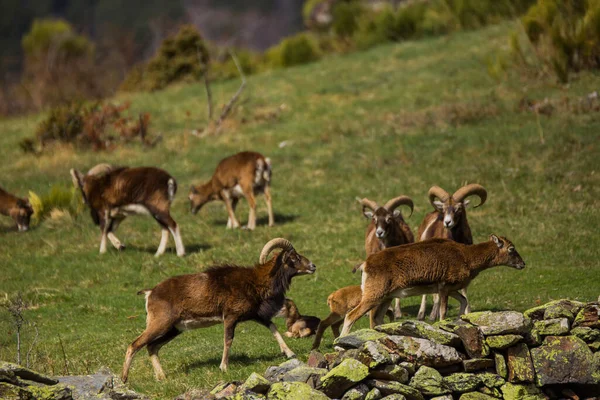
<point>548,352</point>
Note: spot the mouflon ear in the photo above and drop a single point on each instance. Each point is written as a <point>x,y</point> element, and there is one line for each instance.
<point>496,240</point>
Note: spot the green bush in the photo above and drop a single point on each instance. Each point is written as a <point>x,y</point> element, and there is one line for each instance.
<point>345,17</point>
<point>294,50</point>
<point>564,34</point>
<point>65,199</point>
<point>55,35</point>
<point>182,57</point>
<point>249,61</point>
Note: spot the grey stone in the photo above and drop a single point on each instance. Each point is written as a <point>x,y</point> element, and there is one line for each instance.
<point>558,311</point>
<point>537,313</point>
<point>390,387</point>
<point>196,394</point>
<point>27,374</point>
<point>501,367</point>
<point>473,340</point>
<point>429,382</point>
<point>444,397</point>
<point>491,380</point>
<point>305,374</point>
<point>101,385</point>
<point>499,323</point>
<point>294,391</point>
<point>391,373</point>
<point>344,376</point>
<point>476,396</point>
<point>563,359</point>
<point>520,367</point>
<point>275,373</point>
<point>358,392</point>
<point>588,316</point>
<point>478,364</point>
<point>395,396</point>
<point>421,330</point>
<point>316,360</point>
<point>586,334</point>
<point>226,390</point>
<point>374,354</point>
<point>355,339</point>
<point>512,391</point>
<point>257,383</point>
<point>374,394</point>
<point>422,351</point>
<point>335,359</point>
<point>554,327</point>
<point>462,382</point>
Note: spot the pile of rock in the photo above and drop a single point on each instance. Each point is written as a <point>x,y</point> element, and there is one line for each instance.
<point>20,383</point>
<point>548,352</point>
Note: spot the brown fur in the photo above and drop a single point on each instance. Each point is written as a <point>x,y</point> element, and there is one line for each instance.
<point>110,193</point>
<point>227,294</point>
<point>340,303</point>
<point>454,209</point>
<point>251,171</point>
<point>433,266</point>
<point>298,326</point>
<point>18,209</point>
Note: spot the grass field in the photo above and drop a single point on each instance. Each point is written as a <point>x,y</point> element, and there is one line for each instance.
<point>393,120</point>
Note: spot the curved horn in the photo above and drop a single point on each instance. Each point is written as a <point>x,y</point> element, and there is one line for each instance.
<point>100,169</point>
<point>368,203</point>
<point>278,243</point>
<point>439,193</point>
<point>470,190</point>
<point>392,204</point>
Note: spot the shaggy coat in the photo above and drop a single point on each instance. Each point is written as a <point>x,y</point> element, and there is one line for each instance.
<point>244,174</point>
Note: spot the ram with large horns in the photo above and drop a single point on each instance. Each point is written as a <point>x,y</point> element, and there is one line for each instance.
<point>225,294</point>
<point>387,228</point>
<point>449,221</point>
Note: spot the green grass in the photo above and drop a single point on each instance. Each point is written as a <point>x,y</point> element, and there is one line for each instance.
<point>375,124</point>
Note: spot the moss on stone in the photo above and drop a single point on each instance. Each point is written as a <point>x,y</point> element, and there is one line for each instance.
<point>476,396</point>
<point>491,380</point>
<point>429,381</point>
<point>462,382</point>
<point>422,330</point>
<point>554,327</point>
<point>256,383</point>
<point>344,376</point>
<point>374,394</point>
<point>501,368</point>
<point>502,341</point>
<point>512,391</point>
<point>294,391</point>
<point>586,334</point>
<point>355,339</point>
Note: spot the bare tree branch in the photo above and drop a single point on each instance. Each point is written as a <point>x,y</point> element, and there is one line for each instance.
<point>229,106</point>
<point>207,86</point>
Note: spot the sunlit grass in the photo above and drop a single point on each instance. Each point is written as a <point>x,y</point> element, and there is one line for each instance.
<point>367,124</point>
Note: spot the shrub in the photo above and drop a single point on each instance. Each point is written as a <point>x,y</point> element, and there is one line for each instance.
<point>182,57</point>
<point>294,50</point>
<point>225,68</point>
<point>65,199</point>
<point>564,34</point>
<point>345,17</point>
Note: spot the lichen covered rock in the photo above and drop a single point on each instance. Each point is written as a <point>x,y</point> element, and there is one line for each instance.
<point>552,327</point>
<point>478,364</point>
<point>374,354</point>
<point>422,351</point>
<point>586,334</point>
<point>391,373</point>
<point>520,367</point>
<point>429,382</point>
<point>588,316</point>
<point>275,373</point>
<point>462,382</point>
<point>476,396</point>
<point>358,392</point>
<point>389,387</point>
<point>421,330</point>
<point>305,374</point>
<point>512,391</point>
<point>501,342</point>
<point>256,383</point>
<point>294,391</point>
<point>344,376</point>
<point>539,312</point>
<point>499,323</point>
<point>355,339</point>
<point>563,359</point>
<point>501,367</point>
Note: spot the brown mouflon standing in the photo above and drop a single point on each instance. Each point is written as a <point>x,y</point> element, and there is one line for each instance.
<point>224,294</point>
<point>244,174</point>
<point>449,221</point>
<point>387,228</point>
<point>298,326</point>
<point>18,209</point>
<point>433,266</point>
<point>113,193</point>
<point>340,303</point>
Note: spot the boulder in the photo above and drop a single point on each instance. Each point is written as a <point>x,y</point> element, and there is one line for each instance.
<point>26,373</point>
<point>421,330</point>
<point>501,342</point>
<point>429,382</point>
<point>101,385</point>
<point>223,390</point>
<point>344,376</point>
<point>389,387</point>
<point>552,327</point>
<point>491,380</point>
<point>374,354</point>
<point>512,391</point>
<point>494,392</point>
<point>499,323</point>
<point>563,359</point>
<point>588,316</point>
<point>294,391</point>
<point>559,311</point>
<point>391,373</point>
<point>422,351</point>
<point>358,392</point>
<point>256,383</point>
<point>53,392</point>
<point>586,334</point>
<point>478,364</point>
<point>305,374</point>
<point>520,367</point>
<point>476,396</point>
<point>276,372</point>
<point>316,360</point>
<point>538,313</point>
<point>335,359</point>
<point>355,339</point>
<point>473,340</point>
<point>374,394</point>
<point>395,396</point>
<point>501,367</point>
<point>462,382</point>
<point>595,346</point>
<point>444,397</point>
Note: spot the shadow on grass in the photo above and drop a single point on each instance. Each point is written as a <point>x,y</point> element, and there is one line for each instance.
<point>189,248</point>
<point>280,219</point>
<point>234,358</point>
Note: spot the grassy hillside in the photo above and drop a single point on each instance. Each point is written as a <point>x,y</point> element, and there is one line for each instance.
<point>394,120</point>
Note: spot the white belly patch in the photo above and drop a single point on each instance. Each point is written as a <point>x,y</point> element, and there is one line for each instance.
<point>129,209</point>
<point>196,323</point>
